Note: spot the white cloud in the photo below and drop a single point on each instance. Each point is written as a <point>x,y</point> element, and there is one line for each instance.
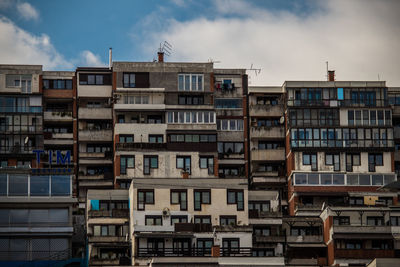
<point>27,11</point>
<point>21,47</point>
<point>88,59</point>
<point>360,39</point>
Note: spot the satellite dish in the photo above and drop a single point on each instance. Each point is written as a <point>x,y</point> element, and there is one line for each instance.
<point>282,120</point>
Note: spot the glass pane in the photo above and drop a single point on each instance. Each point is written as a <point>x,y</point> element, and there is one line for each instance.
<point>18,185</point>
<point>60,185</point>
<point>40,185</point>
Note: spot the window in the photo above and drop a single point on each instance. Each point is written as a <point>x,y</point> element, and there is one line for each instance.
<point>304,230</point>
<point>259,205</point>
<point>310,159</point>
<point>266,100</point>
<point>184,163</point>
<point>127,162</point>
<point>341,220</point>
<point>353,245</point>
<point>395,220</point>
<point>203,219</point>
<point>374,160</point>
<point>201,197</point>
<point>227,220</point>
<point>204,245</point>
<point>333,160</point>
<point>236,197</point>
<point>228,103</point>
<point>126,138</point>
<point>190,100</point>
<point>153,220</point>
<point>145,197</point>
<point>178,219</point>
<point>352,160</point>
<point>230,171</point>
<point>262,231</point>
<point>194,117</point>
<point>129,80</point>
<point>230,245</point>
<point>57,84</point>
<point>153,138</point>
<point>190,82</point>
<point>94,79</point>
<point>230,125</point>
<point>375,221</point>
<point>358,201</point>
<point>207,162</point>
<point>150,162</point>
<point>179,197</point>
<point>269,145</point>
<point>192,138</point>
<point>230,148</point>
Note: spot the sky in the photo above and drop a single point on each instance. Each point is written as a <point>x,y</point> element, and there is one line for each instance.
<point>286,40</point>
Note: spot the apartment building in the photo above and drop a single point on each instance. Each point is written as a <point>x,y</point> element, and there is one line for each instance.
<point>267,179</point>
<point>339,153</point>
<point>163,163</point>
<point>36,176</point>
<point>95,130</point>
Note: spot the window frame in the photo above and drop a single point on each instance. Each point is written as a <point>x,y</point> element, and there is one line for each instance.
<point>202,202</point>
<point>126,158</point>
<point>227,218</point>
<point>236,192</point>
<point>179,192</point>
<point>149,159</point>
<point>184,167</point>
<point>154,218</point>
<point>145,191</point>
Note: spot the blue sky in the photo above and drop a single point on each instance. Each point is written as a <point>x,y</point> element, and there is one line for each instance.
<point>286,39</point>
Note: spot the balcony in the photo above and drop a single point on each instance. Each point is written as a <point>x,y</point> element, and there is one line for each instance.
<point>364,253</point>
<point>95,135</point>
<point>95,113</point>
<point>192,126</point>
<point>57,116</point>
<point>58,138</point>
<point>104,262</point>
<point>141,107</point>
<point>361,229</point>
<point>141,146</point>
<point>266,110</point>
<point>256,180</point>
<point>140,128</point>
<point>195,252</point>
<point>256,214</point>
<point>108,239</point>
<point>264,132</point>
<point>115,213</point>
<point>269,238</point>
<point>268,154</point>
<point>193,227</point>
<point>305,239</point>
<point>303,262</point>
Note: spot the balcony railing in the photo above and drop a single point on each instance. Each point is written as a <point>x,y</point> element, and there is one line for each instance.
<point>135,146</point>
<point>257,214</point>
<point>364,253</point>
<point>193,227</point>
<point>195,252</point>
<point>115,213</point>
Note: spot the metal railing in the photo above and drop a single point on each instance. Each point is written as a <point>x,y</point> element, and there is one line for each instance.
<point>196,252</point>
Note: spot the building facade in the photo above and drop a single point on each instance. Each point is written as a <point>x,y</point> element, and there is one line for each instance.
<point>168,163</point>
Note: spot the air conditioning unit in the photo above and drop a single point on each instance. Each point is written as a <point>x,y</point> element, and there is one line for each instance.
<point>166,212</point>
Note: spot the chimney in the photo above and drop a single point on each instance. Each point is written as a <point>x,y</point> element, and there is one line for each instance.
<point>160,56</point>
<point>110,58</point>
<point>331,75</point>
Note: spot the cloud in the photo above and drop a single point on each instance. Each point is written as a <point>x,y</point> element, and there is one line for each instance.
<point>21,47</point>
<point>360,39</point>
<point>88,59</point>
<point>27,11</point>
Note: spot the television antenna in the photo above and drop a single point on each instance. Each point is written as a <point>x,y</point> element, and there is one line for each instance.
<point>211,60</point>
<point>256,70</point>
<point>165,48</point>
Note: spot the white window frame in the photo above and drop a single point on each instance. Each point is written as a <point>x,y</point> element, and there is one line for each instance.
<point>191,87</point>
